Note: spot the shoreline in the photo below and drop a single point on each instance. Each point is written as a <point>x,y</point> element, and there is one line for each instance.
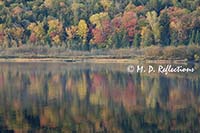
<point>153,54</point>
<point>83,59</point>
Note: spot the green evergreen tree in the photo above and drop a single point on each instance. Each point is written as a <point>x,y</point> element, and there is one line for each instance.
<point>165,29</point>
<point>155,5</point>
<point>192,38</point>
<point>136,41</point>
<point>197,38</point>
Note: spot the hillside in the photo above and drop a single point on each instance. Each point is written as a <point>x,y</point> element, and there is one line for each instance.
<point>97,24</point>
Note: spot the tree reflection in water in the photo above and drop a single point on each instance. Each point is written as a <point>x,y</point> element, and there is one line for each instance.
<point>95,98</point>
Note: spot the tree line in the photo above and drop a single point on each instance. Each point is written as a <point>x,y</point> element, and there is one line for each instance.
<point>86,24</point>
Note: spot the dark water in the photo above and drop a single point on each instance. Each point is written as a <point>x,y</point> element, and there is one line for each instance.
<point>47,97</point>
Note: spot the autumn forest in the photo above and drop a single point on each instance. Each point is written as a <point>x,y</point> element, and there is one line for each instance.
<point>96,24</point>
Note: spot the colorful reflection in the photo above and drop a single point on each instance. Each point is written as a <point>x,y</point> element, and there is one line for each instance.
<point>95,98</point>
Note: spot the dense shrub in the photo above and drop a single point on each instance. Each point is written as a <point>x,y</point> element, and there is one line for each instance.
<point>153,52</point>
<point>172,52</point>
<point>193,52</point>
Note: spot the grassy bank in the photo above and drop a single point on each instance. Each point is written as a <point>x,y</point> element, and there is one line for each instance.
<point>188,53</point>
<point>150,54</point>
<point>61,52</point>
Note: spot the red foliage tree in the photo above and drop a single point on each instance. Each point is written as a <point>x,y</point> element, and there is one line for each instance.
<point>33,38</point>
<point>101,34</point>
<point>125,22</point>
<point>116,23</point>
<point>97,36</point>
<point>2,36</point>
<point>129,22</point>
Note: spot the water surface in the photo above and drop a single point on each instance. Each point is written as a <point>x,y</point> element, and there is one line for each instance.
<point>70,97</point>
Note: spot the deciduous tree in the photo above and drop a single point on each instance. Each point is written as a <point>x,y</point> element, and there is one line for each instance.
<point>154,22</point>
<point>82,30</point>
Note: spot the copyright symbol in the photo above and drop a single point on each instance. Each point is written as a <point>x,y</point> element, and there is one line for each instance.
<point>130,68</point>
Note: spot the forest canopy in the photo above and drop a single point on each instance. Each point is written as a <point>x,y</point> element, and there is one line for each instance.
<point>86,24</point>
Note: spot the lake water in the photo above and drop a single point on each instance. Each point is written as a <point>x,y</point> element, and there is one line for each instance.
<point>80,97</point>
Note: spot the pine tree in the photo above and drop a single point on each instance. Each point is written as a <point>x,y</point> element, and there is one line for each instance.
<point>197,38</point>
<point>136,41</point>
<point>192,38</point>
<point>165,33</point>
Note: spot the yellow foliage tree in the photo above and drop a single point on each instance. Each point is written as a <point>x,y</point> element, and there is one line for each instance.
<point>146,36</point>
<point>71,32</point>
<point>55,26</point>
<point>98,18</point>
<point>56,39</point>
<point>49,3</point>
<point>1,2</point>
<point>16,32</point>
<point>130,7</point>
<point>82,30</point>
<point>106,4</point>
<point>76,7</point>
<point>55,30</point>
<point>2,35</point>
<point>154,22</point>
<point>143,31</point>
<point>1,27</point>
<point>37,29</point>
